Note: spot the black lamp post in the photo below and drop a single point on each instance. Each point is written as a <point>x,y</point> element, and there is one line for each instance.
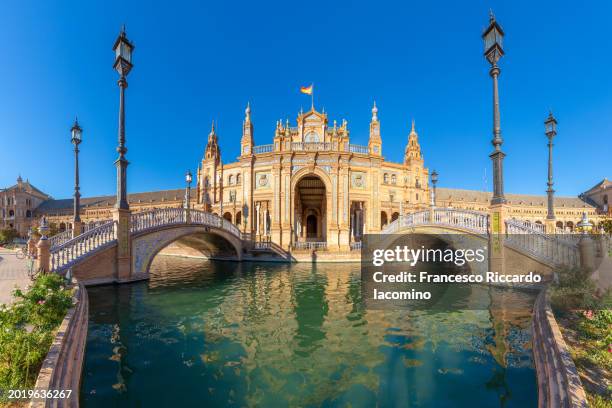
<point>434,181</point>
<point>76,139</point>
<point>188,179</point>
<point>493,39</point>
<point>123,64</point>
<point>550,124</point>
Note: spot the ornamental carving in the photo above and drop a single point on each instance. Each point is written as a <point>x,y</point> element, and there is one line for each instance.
<point>358,180</point>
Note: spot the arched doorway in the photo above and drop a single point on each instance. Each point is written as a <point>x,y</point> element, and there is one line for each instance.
<point>310,220</point>
<point>559,225</point>
<point>311,226</point>
<point>228,216</point>
<point>394,216</point>
<point>238,218</point>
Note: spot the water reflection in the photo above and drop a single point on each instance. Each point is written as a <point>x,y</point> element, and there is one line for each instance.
<point>236,334</point>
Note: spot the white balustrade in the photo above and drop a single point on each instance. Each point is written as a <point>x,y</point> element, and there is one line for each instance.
<point>310,245</point>
<point>529,238</point>
<point>353,148</point>
<point>171,216</point>
<point>73,250</point>
<point>58,239</point>
<point>267,148</point>
<point>463,219</point>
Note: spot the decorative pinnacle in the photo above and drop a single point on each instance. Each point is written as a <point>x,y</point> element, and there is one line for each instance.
<point>247,111</point>
<point>374,112</point>
<point>412,130</point>
<point>491,16</point>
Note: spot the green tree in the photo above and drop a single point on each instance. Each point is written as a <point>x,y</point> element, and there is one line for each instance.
<point>7,235</point>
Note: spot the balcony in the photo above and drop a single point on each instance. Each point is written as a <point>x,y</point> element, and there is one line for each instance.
<point>314,147</point>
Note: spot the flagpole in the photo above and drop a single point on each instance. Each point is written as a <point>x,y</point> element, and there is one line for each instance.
<point>312,96</point>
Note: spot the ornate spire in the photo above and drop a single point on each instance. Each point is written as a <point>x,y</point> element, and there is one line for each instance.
<point>374,113</point>
<point>247,112</point>
<point>212,147</point>
<point>413,149</point>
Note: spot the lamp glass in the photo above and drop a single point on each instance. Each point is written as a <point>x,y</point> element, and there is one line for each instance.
<point>493,37</point>
<point>76,134</point>
<point>188,177</point>
<point>124,50</point>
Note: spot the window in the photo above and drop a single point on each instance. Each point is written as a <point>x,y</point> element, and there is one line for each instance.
<point>230,179</point>
<point>238,178</point>
<point>386,178</point>
<point>393,179</point>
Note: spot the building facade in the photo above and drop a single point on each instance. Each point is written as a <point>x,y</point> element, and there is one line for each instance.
<point>17,205</point>
<point>311,188</point>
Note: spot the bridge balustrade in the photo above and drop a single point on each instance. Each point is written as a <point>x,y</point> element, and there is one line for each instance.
<point>522,235</point>
<point>464,219</point>
<point>58,239</point>
<point>71,251</point>
<point>171,216</point>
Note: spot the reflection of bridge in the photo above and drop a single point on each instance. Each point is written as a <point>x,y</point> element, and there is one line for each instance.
<point>94,254</point>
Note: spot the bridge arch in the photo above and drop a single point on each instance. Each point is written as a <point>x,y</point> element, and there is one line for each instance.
<point>208,241</point>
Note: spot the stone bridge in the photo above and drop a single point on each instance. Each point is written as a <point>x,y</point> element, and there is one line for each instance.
<point>523,236</point>
<point>122,249</point>
<point>92,256</point>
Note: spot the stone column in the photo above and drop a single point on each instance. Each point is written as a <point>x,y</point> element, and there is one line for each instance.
<point>285,203</point>
<point>77,228</point>
<point>497,231</point>
<point>124,244</point>
<point>43,261</point>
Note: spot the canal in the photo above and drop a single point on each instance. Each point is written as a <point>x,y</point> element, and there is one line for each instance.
<point>216,334</point>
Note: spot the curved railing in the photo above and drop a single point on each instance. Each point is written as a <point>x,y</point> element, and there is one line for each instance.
<point>171,216</point>
<point>58,239</point>
<point>63,237</point>
<point>463,219</point>
<point>70,252</point>
<point>547,248</point>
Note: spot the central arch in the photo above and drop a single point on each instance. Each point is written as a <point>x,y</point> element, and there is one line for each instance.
<point>311,201</point>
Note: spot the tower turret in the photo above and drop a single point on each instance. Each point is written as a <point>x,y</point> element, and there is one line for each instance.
<point>375,141</point>
<point>246,143</point>
<point>412,154</point>
<point>213,152</point>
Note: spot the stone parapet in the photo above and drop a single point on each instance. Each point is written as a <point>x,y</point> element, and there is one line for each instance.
<point>61,369</point>
<point>558,382</point>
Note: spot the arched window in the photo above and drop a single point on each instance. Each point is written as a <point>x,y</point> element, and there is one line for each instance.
<point>386,178</point>
<point>230,179</point>
<point>238,178</point>
<point>28,214</point>
<point>393,179</point>
<point>11,213</point>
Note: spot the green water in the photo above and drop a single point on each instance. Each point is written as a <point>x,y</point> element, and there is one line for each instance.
<point>216,334</point>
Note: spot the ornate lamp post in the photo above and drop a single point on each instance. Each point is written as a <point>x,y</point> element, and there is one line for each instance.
<point>76,139</point>
<point>188,179</point>
<point>493,51</point>
<point>434,181</point>
<point>550,125</point>
<point>123,65</point>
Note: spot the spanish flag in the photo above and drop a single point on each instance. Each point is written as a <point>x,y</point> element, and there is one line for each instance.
<point>306,89</point>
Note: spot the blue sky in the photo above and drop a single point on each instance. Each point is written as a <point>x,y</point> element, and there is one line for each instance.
<point>195,62</point>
